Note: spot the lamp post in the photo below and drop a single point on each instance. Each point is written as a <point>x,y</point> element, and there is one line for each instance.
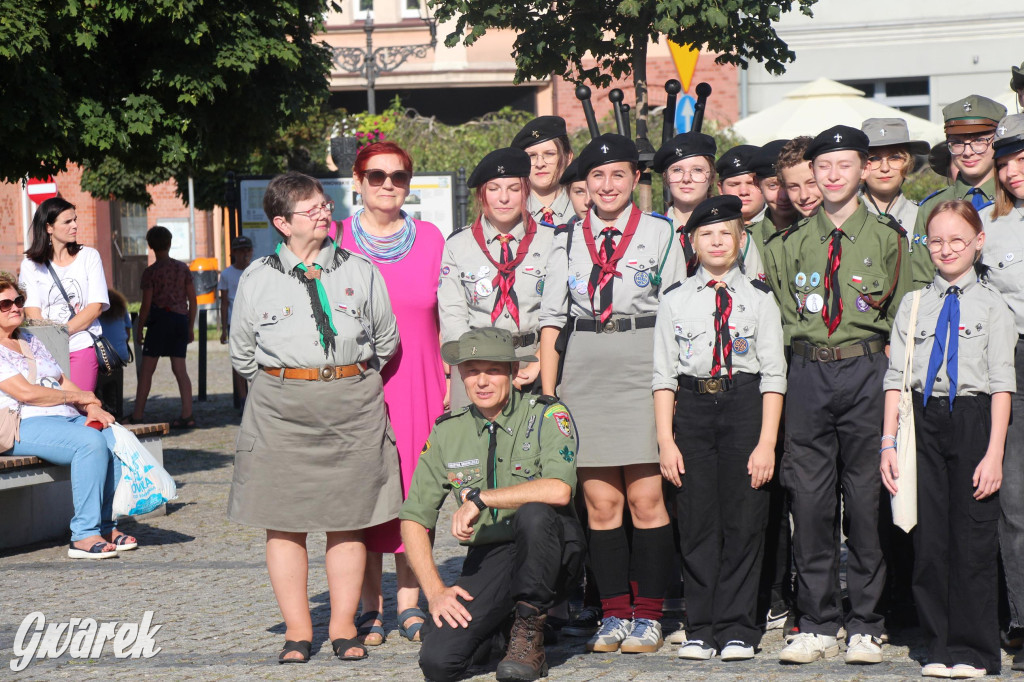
<point>373,62</point>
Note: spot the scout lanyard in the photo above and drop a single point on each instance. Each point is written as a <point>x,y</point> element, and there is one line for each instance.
<point>606,268</point>
<point>506,277</point>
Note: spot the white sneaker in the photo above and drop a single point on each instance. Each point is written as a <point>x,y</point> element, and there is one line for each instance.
<point>677,637</point>
<point>609,637</point>
<point>936,670</point>
<point>696,650</point>
<point>962,671</point>
<point>807,648</point>
<point>864,649</point>
<point>644,637</point>
<point>735,650</point>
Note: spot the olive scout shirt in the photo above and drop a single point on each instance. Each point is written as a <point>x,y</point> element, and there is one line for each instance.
<point>535,438</point>
<point>867,266</point>
<point>923,268</point>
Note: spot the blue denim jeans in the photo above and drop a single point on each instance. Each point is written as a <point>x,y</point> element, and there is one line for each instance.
<point>95,469</point>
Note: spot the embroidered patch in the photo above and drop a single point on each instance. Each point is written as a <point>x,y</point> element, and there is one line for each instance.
<point>426,446</point>
<point>641,279</point>
<point>740,345</point>
<point>567,454</point>
<point>564,425</point>
<point>463,465</point>
<point>540,287</point>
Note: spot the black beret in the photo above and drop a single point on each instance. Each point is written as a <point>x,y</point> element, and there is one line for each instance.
<point>716,210</point>
<point>571,174</point>
<point>837,138</point>
<point>540,129</point>
<point>501,163</point>
<point>763,163</point>
<point>681,147</point>
<point>736,161</point>
<point>607,148</point>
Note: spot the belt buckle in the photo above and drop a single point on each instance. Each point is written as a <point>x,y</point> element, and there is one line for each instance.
<point>327,373</point>
<point>610,327</point>
<point>824,354</point>
<point>712,385</point>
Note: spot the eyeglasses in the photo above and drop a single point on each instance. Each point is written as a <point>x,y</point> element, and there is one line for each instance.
<point>400,178</point>
<point>8,303</point>
<point>896,161</point>
<point>696,174</point>
<point>978,145</point>
<point>956,244</point>
<point>317,212</point>
<point>549,157</point>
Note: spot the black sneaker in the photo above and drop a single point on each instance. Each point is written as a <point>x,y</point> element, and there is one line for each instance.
<point>584,624</point>
<point>1018,661</point>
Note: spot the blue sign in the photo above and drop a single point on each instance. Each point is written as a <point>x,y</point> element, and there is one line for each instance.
<point>684,113</point>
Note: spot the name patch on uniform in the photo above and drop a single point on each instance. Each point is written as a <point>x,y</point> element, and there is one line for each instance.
<point>462,465</point>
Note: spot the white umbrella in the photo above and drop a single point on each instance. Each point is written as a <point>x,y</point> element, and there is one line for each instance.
<point>821,104</point>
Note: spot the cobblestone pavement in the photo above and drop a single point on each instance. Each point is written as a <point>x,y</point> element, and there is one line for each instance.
<point>205,581</point>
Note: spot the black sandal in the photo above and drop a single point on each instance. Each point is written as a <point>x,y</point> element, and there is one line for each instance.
<point>341,645</point>
<point>302,647</point>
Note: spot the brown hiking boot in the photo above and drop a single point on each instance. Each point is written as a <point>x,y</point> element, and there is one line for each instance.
<point>525,660</point>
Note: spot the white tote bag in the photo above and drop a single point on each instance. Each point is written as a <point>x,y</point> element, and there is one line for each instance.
<point>904,502</point>
<point>144,484</point>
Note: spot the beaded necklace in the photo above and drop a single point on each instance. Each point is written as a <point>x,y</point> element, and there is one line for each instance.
<point>389,249</point>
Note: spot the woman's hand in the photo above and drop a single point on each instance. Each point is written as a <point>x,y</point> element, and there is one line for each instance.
<point>671,463</point>
<point>890,470</point>
<point>988,476</point>
<point>761,465</point>
<point>95,413</point>
<point>528,373</point>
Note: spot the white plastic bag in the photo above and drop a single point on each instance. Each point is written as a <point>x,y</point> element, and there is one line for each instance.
<point>144,484</point>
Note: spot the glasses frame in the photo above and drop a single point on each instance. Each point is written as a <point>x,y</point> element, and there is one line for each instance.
<point>684,172</point>
<point>549,157</point>
<point>896,161</point>
<point>8,303</point>
<point>400,178</point>
<point>985,142</point>
<point>939,241</point>
<point>317,212</point>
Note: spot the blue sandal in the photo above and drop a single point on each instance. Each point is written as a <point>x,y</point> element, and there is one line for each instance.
<point>363,630</point>
<point>411,633</point>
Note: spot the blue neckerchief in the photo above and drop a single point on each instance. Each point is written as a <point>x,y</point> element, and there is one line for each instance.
<point>947,326</point>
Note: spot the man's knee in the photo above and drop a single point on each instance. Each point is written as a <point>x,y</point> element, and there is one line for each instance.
<point>534,517</point>
<point>439,663</point>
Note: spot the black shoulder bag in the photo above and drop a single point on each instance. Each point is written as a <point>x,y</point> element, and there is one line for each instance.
<point>106,357</point>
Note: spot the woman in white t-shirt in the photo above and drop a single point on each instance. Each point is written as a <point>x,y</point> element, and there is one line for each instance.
<point>80,270</point>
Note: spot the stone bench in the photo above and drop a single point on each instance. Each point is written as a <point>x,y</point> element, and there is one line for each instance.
<point>35,495</point>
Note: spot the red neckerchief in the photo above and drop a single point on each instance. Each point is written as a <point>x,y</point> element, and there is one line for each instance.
<point>607,269</point>
<point>506,277</point>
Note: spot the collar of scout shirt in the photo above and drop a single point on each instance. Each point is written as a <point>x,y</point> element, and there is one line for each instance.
<point>968,280</point>
<point>731,278</point>
<point>988,188</point>
<point>558,206</point>
<point>504,417</point>
<point>851,229</point>
<point>597,225</point>
<point>491,233</point>
<point>324,258</point>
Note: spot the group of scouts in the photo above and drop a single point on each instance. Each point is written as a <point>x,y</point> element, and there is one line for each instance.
<point>803,275</point>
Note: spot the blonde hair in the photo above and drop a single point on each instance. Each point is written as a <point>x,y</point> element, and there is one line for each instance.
<point>1004,200</point>
<point>735,228</point>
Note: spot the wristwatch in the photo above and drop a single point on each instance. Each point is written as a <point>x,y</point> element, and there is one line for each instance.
<point>473,495</point>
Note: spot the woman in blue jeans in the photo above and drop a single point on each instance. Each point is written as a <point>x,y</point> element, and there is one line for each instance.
<point>54,418</point>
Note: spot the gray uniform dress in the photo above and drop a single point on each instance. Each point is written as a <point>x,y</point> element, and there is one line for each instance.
<point>561,207</point>
<point>313,455</point>
<point>684,337</point>
<point>606,376</point>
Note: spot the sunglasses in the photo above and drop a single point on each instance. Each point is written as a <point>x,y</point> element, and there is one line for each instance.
<point>8,303</point>
<point>400,178</point>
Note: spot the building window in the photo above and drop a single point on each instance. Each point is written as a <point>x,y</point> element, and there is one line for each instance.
<point>909,95</point>
<point>132,236</point>
<point>361,9</point>
<point>410,9</point>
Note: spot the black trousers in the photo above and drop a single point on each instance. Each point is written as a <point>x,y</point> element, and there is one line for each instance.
<point>833,427</point>
<point>776,587</point>
<point>721,518</point>
<point>537,567</point>
<point>956,541</point>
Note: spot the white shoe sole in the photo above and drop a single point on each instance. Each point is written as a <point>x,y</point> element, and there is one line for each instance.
<point>863,657</point>
<point>736,656</point>
<point>697,655</point>
<point>83,554</point>
<point>639,647</point>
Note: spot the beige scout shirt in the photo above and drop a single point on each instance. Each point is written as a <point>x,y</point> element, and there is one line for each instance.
<point>684,335</point>
<point>561,207</point>
<point>986,345</point>
<point>272,319</point>
<point>903,210</point>
<point>466,295</point>
<point>1003,253</point>
<point>633,293</point>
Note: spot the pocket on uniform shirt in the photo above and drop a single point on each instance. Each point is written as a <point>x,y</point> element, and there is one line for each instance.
<point>743,331</point>
<point>973,338</point>
<point>1010,259</point>
<point>870,282</point>
<point>526,468</point>
<point>534,274</point>
<point>691,334</point>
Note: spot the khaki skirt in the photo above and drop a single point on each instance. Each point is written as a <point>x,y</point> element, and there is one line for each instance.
<point>315,456</point>
<point>606,384</point>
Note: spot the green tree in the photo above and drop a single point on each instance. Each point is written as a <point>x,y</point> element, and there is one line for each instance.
<point>138,90</point>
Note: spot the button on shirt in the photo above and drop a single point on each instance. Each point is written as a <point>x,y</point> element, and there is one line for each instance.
<point>561,208</point>
<point>923,268</point>
<point>684,337</point>
<point>986,344</point>
<point>535,438</point>
<point>633,293</point>
<point>867,266</point>
<point>466,295</point>
<point>272,322</point>
<point>1003,253</point>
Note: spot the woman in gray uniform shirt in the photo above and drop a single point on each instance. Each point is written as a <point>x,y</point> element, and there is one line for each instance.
<point>310,329</point>
<point>1003,254</point>
<point>605,275</point>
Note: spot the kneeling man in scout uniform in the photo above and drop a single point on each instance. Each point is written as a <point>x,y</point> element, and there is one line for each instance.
<point>509,459</point>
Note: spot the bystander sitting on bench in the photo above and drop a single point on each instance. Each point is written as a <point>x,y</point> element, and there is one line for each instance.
<point>52,426</point>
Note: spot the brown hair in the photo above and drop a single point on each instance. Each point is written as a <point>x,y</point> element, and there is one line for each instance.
<point>792,154</point>
<point>41,249</point>
<point>712,178</point>
<point>1004,200</point>
<point>963,209</point>
<point>118,306</point>
<point>286,190</point>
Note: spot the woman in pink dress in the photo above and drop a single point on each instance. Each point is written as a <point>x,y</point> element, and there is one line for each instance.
<point>408,253</point>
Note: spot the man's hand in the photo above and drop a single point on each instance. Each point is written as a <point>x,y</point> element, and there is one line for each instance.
<point>445,604</point>
<point>463,520</point>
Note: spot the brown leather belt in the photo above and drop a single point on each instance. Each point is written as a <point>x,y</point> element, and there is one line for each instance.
<point>325,373</point>
<point>829,354</point>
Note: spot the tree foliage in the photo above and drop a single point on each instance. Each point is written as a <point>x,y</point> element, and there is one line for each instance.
<point>139,90</point>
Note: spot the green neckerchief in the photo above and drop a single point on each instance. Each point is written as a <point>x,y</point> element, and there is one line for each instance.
<point>323,319</point>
